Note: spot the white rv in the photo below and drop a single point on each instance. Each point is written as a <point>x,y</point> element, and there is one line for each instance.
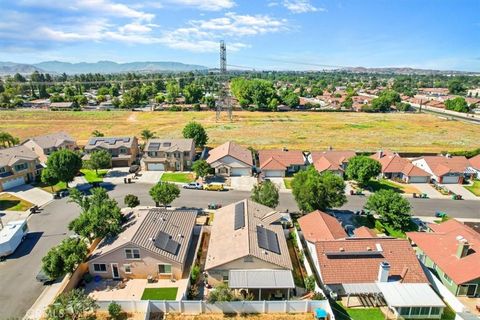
<point>12,234</point>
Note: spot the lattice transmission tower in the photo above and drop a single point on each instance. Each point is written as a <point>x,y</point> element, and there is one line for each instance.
<point>223,101</point>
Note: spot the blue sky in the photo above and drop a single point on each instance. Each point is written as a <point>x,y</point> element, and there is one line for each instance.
<point>271,34</point>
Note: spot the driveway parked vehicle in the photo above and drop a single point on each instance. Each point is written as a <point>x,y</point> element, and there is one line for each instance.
<point>193,185</point>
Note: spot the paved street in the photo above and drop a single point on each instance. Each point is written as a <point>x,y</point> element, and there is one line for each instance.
<point>19,289</point>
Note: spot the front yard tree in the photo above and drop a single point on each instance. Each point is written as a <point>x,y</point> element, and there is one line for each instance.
<point>164,193</point>
<point>131,201</point>
<point>201,168</point>
<point>96,133</point>
<point>100,159</point>
<point>64,258</point>
<point>49,178</point>
<point>393,209</point>
<point>265,193</point>
<point>314,191</point>
<point>362,169</point>
<point>73,305</point>
<point>64,165</point>
<point>194,130</point>
<point>147,134</point>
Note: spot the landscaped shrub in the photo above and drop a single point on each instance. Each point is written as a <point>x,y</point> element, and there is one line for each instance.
<point>379,226</point>
<point>114,310</point>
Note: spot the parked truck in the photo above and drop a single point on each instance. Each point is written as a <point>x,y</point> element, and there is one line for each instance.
<point>11,236</point>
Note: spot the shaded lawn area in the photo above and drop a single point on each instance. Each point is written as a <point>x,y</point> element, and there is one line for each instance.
<point>342,313</point>
<point>9,202</point>
<point>288,183</point>
<point>92,177</point>
<point>160,294</point>
<point>384,184</point>
<point>377,225</point>
<point>58,187</point>
<point>181,177</point>
<point>475,188</point>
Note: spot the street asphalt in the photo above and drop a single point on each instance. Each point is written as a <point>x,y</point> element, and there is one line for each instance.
<point>19,289</point>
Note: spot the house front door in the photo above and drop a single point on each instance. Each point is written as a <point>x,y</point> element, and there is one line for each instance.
<point>115,273</point>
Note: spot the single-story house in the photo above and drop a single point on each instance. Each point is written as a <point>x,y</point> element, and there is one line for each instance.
<point>451,251</point>
<point>475,165</point>
<point>396,167</point>
<point>61,106</point>
<point>124,150</point>
<point>18,165</point>
<point>331,160</point>
<point>44,145</point>
<point>444,169</point>
<point>155,243</point>
<point>248,250</point>
<point>319,226</point>
<point>168,155</point>
<point>231,159</point>
<point>278,163</point>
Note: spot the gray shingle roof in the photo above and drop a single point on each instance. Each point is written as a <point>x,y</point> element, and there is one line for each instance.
<point>52,140</point>
<point>11,155</point>
<point>169,145</point>
<point>109,142</point>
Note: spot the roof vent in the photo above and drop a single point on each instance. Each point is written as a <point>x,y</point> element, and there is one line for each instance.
<point>369,249</point>
<point>180,235</point>
<point>379,247</point>
<point>342,249</point>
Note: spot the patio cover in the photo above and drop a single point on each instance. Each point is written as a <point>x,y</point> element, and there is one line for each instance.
<point>398,294</point>
<point>260,279</point>
<point>360,288</point>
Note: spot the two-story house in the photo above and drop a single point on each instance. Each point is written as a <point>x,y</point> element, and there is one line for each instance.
<point>18,165</point>
<point>124,150</point>
<point>168,154</point>
<point>44,145</point>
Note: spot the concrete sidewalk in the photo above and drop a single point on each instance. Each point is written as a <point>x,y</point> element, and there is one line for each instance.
<point>37,310</point>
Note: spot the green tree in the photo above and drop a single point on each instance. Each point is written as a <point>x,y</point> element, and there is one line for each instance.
<point>291,99</point>
<point>164,193</point>
<point>100,159</point>
<point>131,201</point>
<point>132,98</point>
<point>457,104</point>
<point>455,86</point>
<point>201,168</point>
<point>64,258</point>
<point>72,305</point>
<point>147,134</point>
<point>393,209</point>
<point>64,164</point>
<point>362,169</point>
<point>101,217</point>
<point>310,283</point>
<point>192,93</point>
<point>266,193</point>
<point>173,91</point>
<point>7,140</point>
<point>315,191</point>
<point>114,310</point>
<point>194,130</point>
<point>96,133</point>
<point>48,178</point>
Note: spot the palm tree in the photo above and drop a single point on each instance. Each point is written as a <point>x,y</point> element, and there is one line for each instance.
<point>147,134</point>
<point>7,140</point>
<point>96,133</point>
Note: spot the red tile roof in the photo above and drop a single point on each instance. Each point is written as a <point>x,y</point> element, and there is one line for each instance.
<point>280,157</point>
<point>232,149</point>
<point>331,160</point>
<point>364,232</point>
<point>441,247</point>
<point>340,261</point>
<point>475,162</point>
<point>318,225</point>
<point>393,163</point>
<point>441,165</point>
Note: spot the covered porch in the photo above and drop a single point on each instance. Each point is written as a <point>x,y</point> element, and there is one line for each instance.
<point>263,284</point>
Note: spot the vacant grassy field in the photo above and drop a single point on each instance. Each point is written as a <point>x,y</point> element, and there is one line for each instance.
<point>302,130</point>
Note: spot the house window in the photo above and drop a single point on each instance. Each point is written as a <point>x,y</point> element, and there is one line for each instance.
<point>435,311</point>
<point>152,154</point>
<point>424,311</point>
<point>447,278</point>
<point>132,253</point>
<point>3,170</point>
<point>165,268</point>
<point>20,167</point>
<point>99,267</point>
<point>415,311</point>
<point>225,278</point>
<point>127,268</point>
<point>186,153</point>
<point>123,150</point>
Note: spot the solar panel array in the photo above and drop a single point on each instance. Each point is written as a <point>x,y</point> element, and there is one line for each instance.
<point>167,144</point>
<point>267,239</point>
<point>164,242</point>
<point>110,141</point>
<point>239,216</point>
<point>154,146</point>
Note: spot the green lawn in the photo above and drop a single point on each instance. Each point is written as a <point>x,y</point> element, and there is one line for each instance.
<point>342,313</point>
<point>475,188</point>
<point>288,183</point>
<point>160,294</point>
<point>383,184</point>
<point>181,177</point>
<point>370,222</point>
<point>91,176</point>
<point>9,202</point>
<point>58,187</point>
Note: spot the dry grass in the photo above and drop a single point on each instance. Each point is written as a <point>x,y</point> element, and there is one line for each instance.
<point>273,316</point>
<point>302,130</point>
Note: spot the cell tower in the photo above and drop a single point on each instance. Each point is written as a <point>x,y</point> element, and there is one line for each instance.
<point>223,99</point>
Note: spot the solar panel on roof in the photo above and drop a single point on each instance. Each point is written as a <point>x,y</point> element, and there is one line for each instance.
<point>267,240</point>
<point>154,146</point>
<point>127,139</point>
<point>239,216</point>
<point>164,242</point>
<point>93,142</point>
<point>167,144</point>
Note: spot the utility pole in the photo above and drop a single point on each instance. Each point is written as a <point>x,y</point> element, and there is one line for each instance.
<point>223,99</point>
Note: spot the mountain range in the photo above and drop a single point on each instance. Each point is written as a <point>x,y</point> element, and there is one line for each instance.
<point>58,67</point>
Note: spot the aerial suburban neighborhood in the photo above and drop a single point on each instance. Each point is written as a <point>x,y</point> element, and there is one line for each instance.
<point>307,160</point>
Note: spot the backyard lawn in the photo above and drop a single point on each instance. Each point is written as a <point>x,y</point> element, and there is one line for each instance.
<point>342,313</point>
<point>376,185</point>
<point>92,177</point>
<point>180,177</point>
<point>160,294</point>
<point>475,188</point>
<point>9,202</point>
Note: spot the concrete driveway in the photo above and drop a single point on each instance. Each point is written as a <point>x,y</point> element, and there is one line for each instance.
<point>430,191</point>
<point>459,189</point>
<point>31,194</point>
<point>150,177</point>
<point>280,184</point>
<point>116,175</point>
<point>242,183</point>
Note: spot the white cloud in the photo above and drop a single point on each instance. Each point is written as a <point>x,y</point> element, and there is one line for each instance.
<point>300,6</point>
<point>208,5</point>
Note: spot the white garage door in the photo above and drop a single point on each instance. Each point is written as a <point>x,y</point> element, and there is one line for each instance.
<point>274,173</point>
<point>235,172</point>
<point>156,167</point>
<point>13,183</point>
<point>450,179</point>
<point>418,179</point>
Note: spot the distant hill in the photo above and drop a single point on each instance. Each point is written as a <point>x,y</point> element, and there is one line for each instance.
<point>97,67</point>
<point>404,70</point>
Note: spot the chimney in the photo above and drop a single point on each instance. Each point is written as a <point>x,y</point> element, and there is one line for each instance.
<point>284,149</point>
<point>380,154</point>
<point>462,247</point>
<point>383,272</point>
